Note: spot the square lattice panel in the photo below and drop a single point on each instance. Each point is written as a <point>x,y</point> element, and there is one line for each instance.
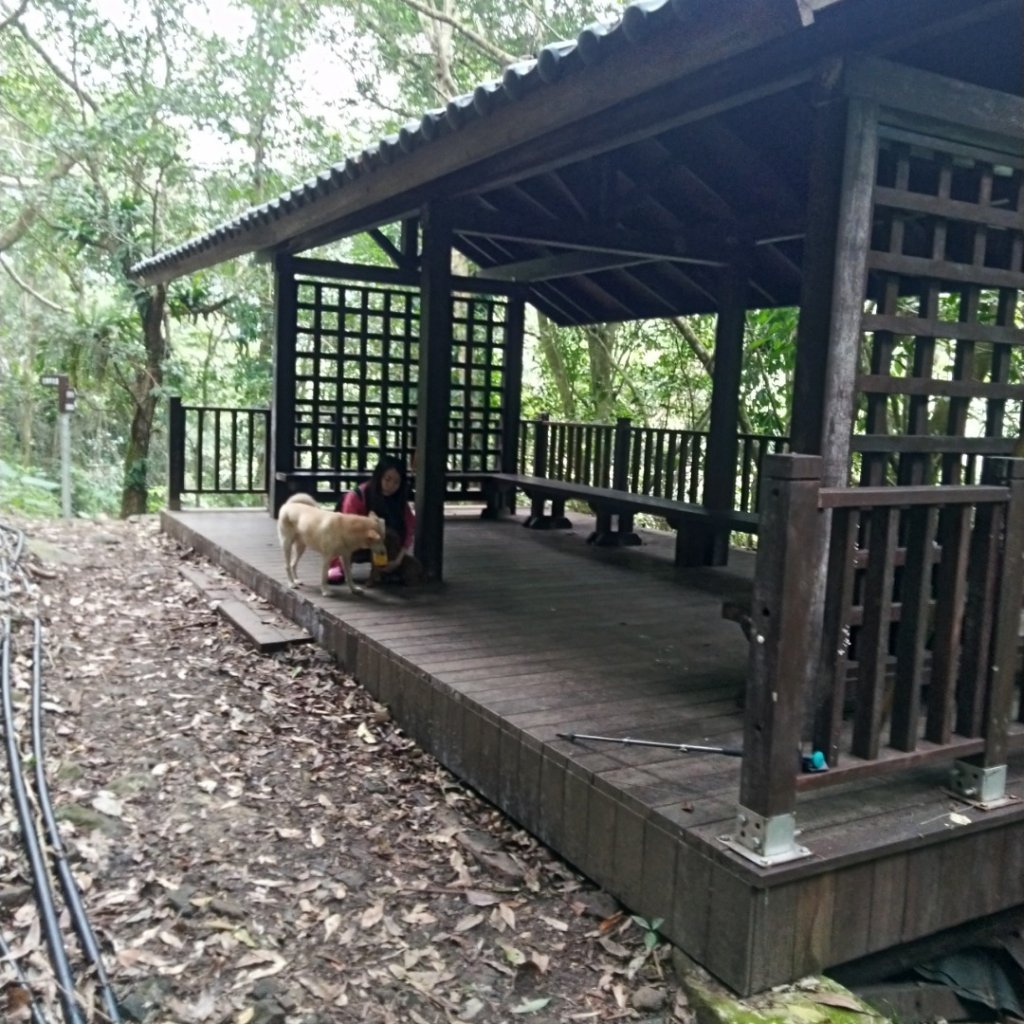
<point>356,374</point>
<point>941,362</point>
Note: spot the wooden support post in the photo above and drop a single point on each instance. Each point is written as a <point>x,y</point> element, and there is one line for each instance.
<point>434,388</point>
<point>511,404</point>
<point>848,292</point>
<point>410,243</point>
<point>814,326</point>
<point>283,406</point>
<point>781,633</point>
<point>624,535</point>
<point>536,519</point>
<point>175,453</point>
<point>705,544</point>
<point>983,779</point>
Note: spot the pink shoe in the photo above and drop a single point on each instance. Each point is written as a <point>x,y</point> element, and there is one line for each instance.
<point>336,574</point>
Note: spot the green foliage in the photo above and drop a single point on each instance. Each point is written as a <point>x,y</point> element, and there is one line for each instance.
<point>27,492</point>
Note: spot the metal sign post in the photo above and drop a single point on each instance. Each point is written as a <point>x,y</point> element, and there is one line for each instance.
<point>66,399</point>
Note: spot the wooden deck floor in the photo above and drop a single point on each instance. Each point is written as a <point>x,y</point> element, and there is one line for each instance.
<point>535,634</point>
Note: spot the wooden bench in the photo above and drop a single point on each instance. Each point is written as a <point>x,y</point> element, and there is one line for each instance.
<point>607,502</point>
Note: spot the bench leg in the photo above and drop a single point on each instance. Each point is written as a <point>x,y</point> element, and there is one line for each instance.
<point>701,544</point>
<point>628,537</point>
<point>559,520</point>
<point>623,536</point>
<point>501,503</point>
<point>603,535</point>
<point>538,519</point>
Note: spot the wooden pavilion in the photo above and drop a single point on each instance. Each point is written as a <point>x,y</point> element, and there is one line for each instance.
<point>860,159</point>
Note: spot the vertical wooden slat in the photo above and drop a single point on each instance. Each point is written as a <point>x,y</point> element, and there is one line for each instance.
<point>200,452</point>
<point>234,449</point>
<point>950,589</point>
<point>621,454</point>
<point>873,472</point>
<point>912,635</point>
<point>697,462</point>
<point>975,652</point>
<point>874,637</point>
<point>835,641</point>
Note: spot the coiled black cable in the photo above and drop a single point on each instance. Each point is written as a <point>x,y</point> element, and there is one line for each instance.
<point>72,894</point>
<point>40,879</point>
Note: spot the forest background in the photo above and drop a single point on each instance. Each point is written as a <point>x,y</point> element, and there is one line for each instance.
<point>129,127</point>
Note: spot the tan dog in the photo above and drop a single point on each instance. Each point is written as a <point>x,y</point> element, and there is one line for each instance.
<point>302,524</point>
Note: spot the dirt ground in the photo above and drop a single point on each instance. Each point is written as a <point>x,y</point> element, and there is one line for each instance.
<point>258,842</point>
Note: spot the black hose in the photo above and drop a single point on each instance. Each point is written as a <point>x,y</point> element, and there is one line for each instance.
<point>72,895</point>
<point>44,897</point>
<point>5,954</point>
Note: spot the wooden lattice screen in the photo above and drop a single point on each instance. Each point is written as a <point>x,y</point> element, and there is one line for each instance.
<point>356,371</point>
<point>941,359</point>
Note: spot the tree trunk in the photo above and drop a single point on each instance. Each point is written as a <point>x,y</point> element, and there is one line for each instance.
<point>601,340</point>
<point>148,378</point>
<point>547,337</point>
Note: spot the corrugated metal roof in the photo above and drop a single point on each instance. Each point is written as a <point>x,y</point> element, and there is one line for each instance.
<point>554,62</point>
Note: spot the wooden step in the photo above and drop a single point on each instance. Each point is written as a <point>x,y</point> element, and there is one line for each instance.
<point>260,624</point>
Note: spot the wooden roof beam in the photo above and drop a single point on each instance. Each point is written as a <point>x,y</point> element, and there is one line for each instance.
<point>563,264</point>
<point>596,238</point>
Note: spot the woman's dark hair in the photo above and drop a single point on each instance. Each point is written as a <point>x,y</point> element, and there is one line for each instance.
<point>398,465</point>
<point>390,508</point>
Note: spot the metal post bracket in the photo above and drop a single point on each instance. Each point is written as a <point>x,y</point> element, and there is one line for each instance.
<point>765,841</point>
<point>984,788</point>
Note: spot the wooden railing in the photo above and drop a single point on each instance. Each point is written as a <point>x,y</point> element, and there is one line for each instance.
<point>921,599</point>
<point>223,451</point>
<point>215,450</point>
<point>658,462</point>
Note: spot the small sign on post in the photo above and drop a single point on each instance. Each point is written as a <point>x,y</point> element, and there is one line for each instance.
<point>66,397</point>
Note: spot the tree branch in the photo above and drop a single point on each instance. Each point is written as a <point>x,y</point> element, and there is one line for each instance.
<point>58,72</point>
<point>26,287</point>
<point>14,15</point>
<point>707,360</point>
<point>479,41</point>
<point>30,211</point>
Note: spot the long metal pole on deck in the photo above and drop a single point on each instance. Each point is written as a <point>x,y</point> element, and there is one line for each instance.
<point>683,748</point>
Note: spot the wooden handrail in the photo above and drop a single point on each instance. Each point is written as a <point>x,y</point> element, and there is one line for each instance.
<point>906,497</point>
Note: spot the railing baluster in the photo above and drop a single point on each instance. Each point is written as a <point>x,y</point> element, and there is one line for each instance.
<point>835,643</point>
<point>978,616</point>
<point>200,483</point>
<point>950,589</point>
<point>915,602</point>
<point>874,637</point>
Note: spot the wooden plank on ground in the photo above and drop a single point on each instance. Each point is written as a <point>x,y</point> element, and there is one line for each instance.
<point>262,629</point>
<point>209,586</point>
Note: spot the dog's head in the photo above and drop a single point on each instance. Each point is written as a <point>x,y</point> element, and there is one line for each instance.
<point>375,539</point>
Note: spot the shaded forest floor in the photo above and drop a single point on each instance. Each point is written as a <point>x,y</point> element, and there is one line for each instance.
<point>257,841</point>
